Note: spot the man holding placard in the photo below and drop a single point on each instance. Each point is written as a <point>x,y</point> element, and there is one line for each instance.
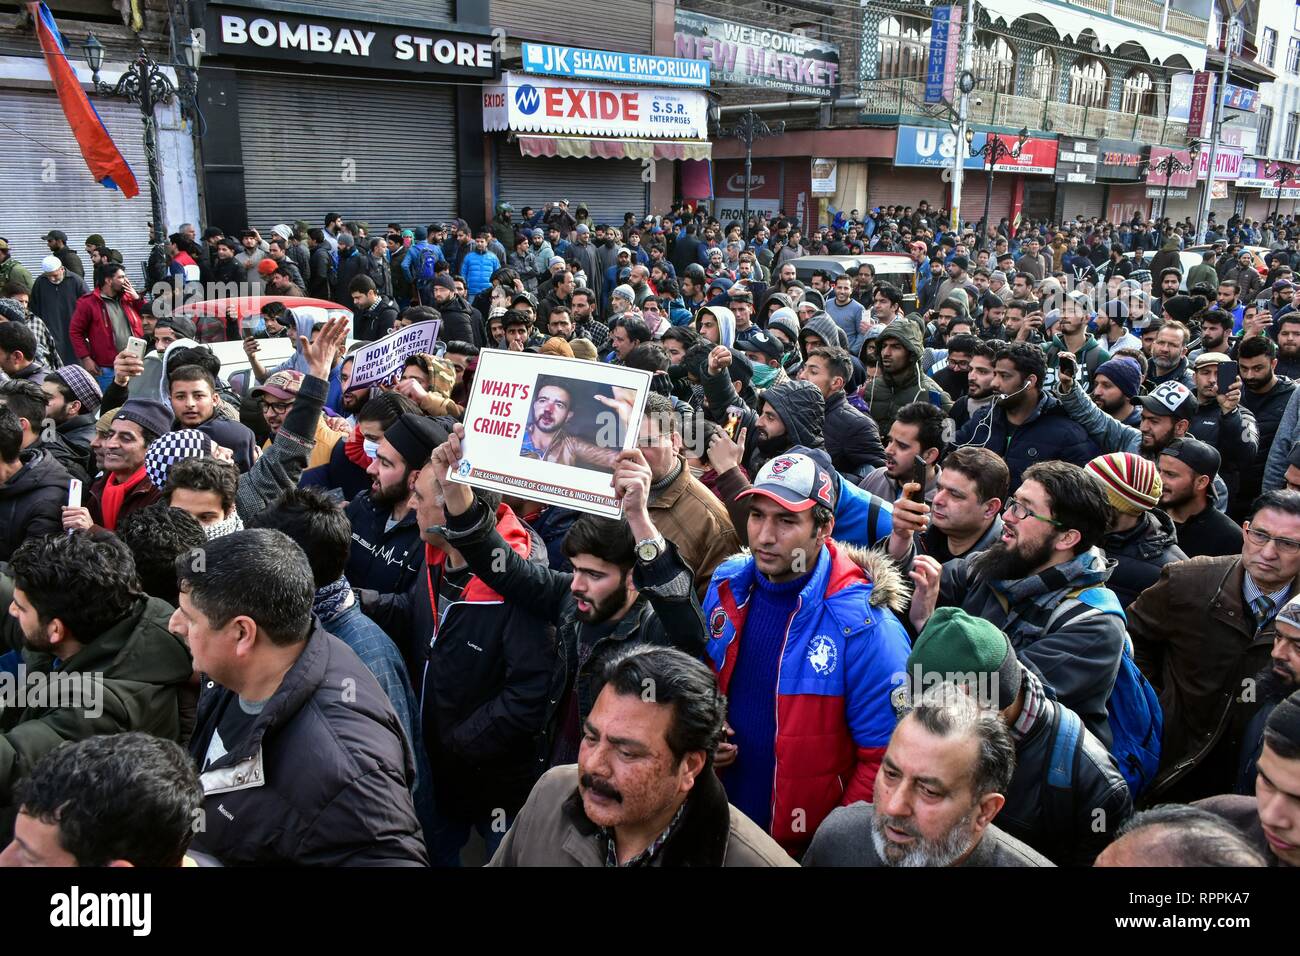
<point>628,584</point>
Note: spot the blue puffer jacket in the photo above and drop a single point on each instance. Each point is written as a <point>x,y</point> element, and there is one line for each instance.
<point>477,270</point>
<point>1049,433</point>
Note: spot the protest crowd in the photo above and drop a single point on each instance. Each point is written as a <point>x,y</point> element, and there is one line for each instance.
<point>995,565</point>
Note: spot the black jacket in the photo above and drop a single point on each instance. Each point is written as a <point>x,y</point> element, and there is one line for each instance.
<point>322,777</point>
<point>376,321</point>
<point>1268,410</point>
<point>31,502</point>
<point>349,267</point>
<point>852,438</point>
<point>458,323</point>
<point>489,681</point>
<point>384,561</point>
<point>666,613</point>
<point>229,271</point>
<point>318,286</point>
<point>1062,824</point>
<point>1139,553</point>
<point>1236,436</point>
<point>1047,434</point>
<point>72,459</point>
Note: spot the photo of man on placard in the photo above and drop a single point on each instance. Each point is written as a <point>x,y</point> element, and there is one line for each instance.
<point>572,422</point>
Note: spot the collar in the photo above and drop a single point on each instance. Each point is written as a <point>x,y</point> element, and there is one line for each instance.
<point>700,836</point>
<point>665,483</point>
<point>647,856</point>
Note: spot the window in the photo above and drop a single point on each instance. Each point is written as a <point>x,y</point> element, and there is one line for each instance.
<point>904,44</point>
<point>1042,75</point>
<point>1089,83</point>
<point>995,65</point>
<point>1139,94</point>
<point>1292,127</point>
<point>1268,46</point>
<point>1293,56</point>
<point>1265,128</point>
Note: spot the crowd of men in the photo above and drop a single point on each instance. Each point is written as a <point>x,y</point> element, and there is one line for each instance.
<point>995,566</point>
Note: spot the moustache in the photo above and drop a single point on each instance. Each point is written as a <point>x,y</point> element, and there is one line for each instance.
<point>599,787</point>
<point>898,823</point>
<point>1284,667</point>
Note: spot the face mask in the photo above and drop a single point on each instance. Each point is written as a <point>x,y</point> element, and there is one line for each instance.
<point>697,471</point>
<point>371,448</point>
<point>763,375</point>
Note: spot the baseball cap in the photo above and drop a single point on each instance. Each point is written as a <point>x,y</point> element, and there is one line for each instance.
<point>283,385</point>
<point>58,234</point>
<point>797,482</point>
<point>1283,284</point>
<point>1171,399</point>
<point>759,342</point>
<point>1197,455</point>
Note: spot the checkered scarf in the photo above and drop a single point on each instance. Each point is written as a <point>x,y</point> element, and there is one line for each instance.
<point>173,447</point>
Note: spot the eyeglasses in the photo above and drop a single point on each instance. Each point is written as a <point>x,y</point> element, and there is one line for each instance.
<point>277,408</point>
<point>1261,538</point>
<point>1017,509</point>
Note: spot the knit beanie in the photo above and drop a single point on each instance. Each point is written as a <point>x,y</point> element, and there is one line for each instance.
<point>1132,483</point>
<point>148,414</point>
<point>1284,721</point>
<point>955,642</point>
<point>1124,373</point>
<point>785,320</point>
<point>584,349</point>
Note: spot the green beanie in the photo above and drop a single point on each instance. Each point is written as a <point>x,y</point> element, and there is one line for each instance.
<point>961,648</point>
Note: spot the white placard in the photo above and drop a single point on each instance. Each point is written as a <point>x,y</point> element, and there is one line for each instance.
<point>549,428</point>
<point>377,362</point>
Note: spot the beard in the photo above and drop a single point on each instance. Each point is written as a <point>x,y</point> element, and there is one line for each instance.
<point>769,446</point>
<point>605,608</point>
<point>1273,687</point>
<point>945,851</point>
<point>1111,407</point>
<point>1008,563</point>
<point>389,495</point>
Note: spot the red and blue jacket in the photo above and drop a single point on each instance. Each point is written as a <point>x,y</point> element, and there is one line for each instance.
<point>840,663</point>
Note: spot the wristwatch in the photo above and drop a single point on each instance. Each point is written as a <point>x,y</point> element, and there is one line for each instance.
<point>649,549</point>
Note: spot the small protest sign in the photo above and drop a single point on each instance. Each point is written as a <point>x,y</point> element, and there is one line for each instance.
<point>377,362</point>
<point>549,428</point>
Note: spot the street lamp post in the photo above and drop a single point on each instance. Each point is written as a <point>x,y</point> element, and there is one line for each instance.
<point>994,150</point>
<point>145,84</point>
<point>750,128</point>
<point>1170,165</point>
<point>1281,175</point>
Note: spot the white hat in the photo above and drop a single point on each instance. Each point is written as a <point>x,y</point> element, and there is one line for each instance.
<point>51,264</point>
<point>282,230</point>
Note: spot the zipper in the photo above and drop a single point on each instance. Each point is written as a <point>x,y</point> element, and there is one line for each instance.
<point>776,704</point>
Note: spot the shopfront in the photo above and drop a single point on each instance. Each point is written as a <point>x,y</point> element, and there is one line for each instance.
<point>1172,189</point>
<point>1121,166</point>
<point>392,137</point>
<point>589,142</point>
<point>1078,193</point>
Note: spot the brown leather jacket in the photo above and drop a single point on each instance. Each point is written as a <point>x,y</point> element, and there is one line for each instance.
<point>553,830</point>
<point>690,516</point>
<point>568,450</point>
<point>1197,644</point>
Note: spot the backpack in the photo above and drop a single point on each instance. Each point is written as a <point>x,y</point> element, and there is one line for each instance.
<point>1133,710</point>
<point>427,265</point>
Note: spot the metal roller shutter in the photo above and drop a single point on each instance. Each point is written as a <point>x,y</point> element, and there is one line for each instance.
<point>974,186</point>
<point>1083,200</point>
<point>374,151</point>
<point>889,185</point>
<point>45,183</point>
<point>608,187</point>
<point>615,25</point>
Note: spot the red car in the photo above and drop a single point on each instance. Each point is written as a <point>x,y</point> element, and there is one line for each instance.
<point>221,320</point>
